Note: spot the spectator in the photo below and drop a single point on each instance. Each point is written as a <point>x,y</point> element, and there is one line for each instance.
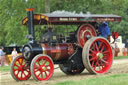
<point>2,56</point>
<point>117,50</point>
<point>126,46</point>
<point>104,30</point>
<point>14,53</point>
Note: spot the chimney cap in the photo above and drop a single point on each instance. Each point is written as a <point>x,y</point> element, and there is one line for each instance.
<point>30,9</point>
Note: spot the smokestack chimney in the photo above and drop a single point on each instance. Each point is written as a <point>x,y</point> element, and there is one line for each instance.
<point>30,15</point>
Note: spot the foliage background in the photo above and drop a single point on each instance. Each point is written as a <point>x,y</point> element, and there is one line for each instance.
<point>13,11</point>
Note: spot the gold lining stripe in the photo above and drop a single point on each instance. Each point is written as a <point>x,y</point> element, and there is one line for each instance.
<point>58,54</point>
<point>36,17</point>
<point>43,49</point>
<point>25,20</point>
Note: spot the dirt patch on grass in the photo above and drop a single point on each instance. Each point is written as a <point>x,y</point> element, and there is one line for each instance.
<point>119,66</point>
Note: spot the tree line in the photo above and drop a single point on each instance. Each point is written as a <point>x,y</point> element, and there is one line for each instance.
<point>13,11</point>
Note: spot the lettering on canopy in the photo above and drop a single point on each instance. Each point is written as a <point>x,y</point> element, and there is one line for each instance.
<point>67,19</point>
<point>105,19</point>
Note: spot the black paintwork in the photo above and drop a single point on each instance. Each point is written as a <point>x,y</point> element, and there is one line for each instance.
<point>34,49</point>
<point>8,50</point>
<point>74,61</point>
<point>31,25</point>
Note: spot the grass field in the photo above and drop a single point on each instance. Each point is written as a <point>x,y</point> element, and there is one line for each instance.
<point>118,79</point>
<point>5,68</point>
<point>121,57</point>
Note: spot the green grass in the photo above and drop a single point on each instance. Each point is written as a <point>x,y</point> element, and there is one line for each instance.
<point>118,79</point>
<point>121,57</point>
<point>5,68</point>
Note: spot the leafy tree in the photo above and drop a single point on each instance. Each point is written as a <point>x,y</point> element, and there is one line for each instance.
<point>13,11</point>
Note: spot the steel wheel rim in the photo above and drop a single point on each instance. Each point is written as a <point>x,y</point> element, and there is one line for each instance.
<point>100,55</point>
<point>84,30</point>
<point>20,70</point>
<point>43,68</point>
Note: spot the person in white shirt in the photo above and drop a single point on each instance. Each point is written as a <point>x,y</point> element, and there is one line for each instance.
<point>14,53</point>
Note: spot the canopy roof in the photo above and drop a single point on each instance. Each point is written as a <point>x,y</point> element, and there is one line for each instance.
<point>70,18</point>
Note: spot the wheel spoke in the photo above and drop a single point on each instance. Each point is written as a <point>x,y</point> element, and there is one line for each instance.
<point>47,66</point>
<point>28,70</point>
<point>16,65</point>
<point>22,61</point>
<point>19,62</point>
<point>95,64</point>
<point>44,62</point>
<point>39,74</point>
<point>35,70</point>
<point>21,74</point>
<point>24,74</point>
<point>45,73</point>
<point>92,51</point>
<point>106,51</point>
<point>93,47</point>
<point>100,44</point>
<point>101,64</point>
<point>90,54</point>
<point>102,49</point>
<point>16,69</point>
<point>92,63</point>
<point>97,49</point>
<point>104,61</point>
<point>39,63</point>
<point>104,57</point>
<point>36,67</point>
<point>17,73</point>
<point>92,58</point>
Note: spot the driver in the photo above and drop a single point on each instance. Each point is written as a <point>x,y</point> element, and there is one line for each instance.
<point>49,37</point>
<point>104,29</point>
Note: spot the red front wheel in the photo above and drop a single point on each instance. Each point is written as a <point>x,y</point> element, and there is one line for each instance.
<point>97,55</point>
<point>19,69</point>
<point>42,67</point>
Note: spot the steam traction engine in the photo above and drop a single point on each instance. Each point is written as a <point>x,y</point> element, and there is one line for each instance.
<point>80,50</point>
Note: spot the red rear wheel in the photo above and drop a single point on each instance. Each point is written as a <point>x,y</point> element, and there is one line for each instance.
<point>19,69</point>
<point>42,67</point>
<point>97,55</point>
<point>84,32</point>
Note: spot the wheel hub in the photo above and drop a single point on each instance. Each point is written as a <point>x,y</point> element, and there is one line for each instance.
<point>21,68</point>
<point>99,55</point>
<point>42,68</point>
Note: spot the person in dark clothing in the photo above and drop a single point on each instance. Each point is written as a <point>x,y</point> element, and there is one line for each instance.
<point>104,30</point>
<point>126,46</point>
